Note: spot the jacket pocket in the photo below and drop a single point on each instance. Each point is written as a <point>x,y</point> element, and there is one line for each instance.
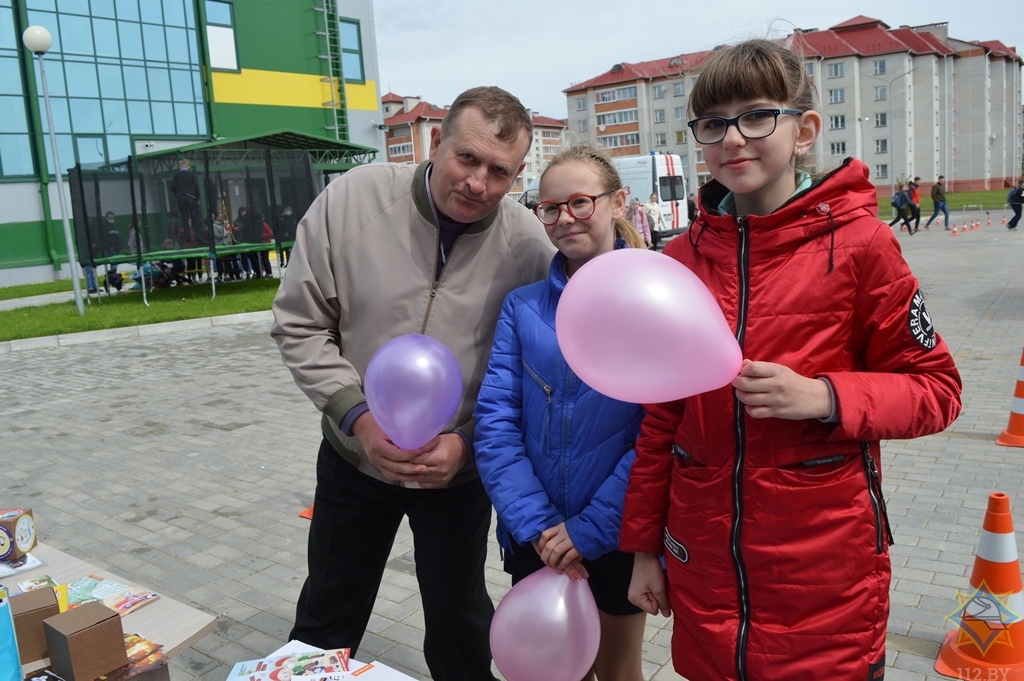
<point>883,532</point>
<point>548,392</point>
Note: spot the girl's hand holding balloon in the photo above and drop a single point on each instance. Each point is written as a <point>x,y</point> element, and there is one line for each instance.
<point>775,391</point>
<point>555,548</point>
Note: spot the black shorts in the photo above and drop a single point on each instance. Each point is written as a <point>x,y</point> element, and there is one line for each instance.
<point>609,576</point>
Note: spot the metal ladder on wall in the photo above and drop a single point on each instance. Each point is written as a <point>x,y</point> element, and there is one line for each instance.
<point>331,35</point>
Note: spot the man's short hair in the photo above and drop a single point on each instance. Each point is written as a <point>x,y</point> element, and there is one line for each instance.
<point>942,177</point>
<point>496,105</point>
<point>183,163</point>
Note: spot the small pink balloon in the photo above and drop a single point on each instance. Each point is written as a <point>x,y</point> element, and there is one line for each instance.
<point>546,628</point>
<point>639,326</point>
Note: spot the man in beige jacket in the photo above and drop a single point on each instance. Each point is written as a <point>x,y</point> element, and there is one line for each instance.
<point>387,250</point>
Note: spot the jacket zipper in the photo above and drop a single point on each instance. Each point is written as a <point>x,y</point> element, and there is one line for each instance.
<point>437,281</point>
<point>742,632</point>
<point>883,532</point>
<point>565,446</point>
<point>548,391</point>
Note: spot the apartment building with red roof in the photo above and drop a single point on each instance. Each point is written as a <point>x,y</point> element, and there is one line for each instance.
<point>409,121</point>
<point>908,101</point>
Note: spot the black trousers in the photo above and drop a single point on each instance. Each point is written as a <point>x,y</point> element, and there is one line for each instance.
<point>355,519</point>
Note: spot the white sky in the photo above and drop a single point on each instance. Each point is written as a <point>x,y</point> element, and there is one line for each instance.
<point>537,48</point>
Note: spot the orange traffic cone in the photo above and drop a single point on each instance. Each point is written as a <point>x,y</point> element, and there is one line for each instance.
<point>954,230</point>
<point>989,643</point>
<point>1013,436</point>
<point>988,223</point>
<point>307,514</point>
<point>1004,218</point>
<point>977,224</point>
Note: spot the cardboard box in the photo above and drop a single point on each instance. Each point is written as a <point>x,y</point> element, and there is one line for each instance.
<point>17,533</point>
<point>29,611</point>
<point>85,642</point>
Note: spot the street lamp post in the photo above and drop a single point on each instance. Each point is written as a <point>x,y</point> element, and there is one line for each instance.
<point>37,39</point>
<point>891,125</point>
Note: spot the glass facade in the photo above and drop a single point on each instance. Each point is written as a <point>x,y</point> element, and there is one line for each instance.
<point>15,141</point>
<point>117,68</point>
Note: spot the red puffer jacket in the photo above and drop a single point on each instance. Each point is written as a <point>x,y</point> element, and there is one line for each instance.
<point>774,531</point>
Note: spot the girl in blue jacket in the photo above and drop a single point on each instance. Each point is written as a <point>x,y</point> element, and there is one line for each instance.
<point>554,454</point>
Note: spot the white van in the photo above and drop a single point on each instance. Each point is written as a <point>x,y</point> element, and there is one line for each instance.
<point>660,174</point>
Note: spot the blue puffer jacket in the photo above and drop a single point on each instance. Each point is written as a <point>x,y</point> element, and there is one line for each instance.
<point>550,448</point>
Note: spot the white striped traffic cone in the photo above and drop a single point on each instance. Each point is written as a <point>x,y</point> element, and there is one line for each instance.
<point>989,643</point>
<point>1013,436</point>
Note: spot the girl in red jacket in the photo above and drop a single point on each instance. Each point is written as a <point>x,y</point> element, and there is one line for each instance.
<point>763,498</point>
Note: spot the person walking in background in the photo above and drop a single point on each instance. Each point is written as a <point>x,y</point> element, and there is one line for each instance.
<point>287,224</point>
<point>691,208</point>
<point>939,201</point>
<point>185,188</point>
<point>655,218</point>
<point>900,201</point>
<point>763,496</point>
<point>1016,199</point>
<point>914,193</point>
<point>389,249</point>
<point>554,455</point>
<point>638,218</point>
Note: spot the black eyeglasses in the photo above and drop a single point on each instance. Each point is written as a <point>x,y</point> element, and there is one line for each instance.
<point>752,124</point>
<point>579,206</point>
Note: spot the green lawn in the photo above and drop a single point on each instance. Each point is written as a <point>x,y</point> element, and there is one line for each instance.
<point>127,309</point>
<point>26,290</point>
<point>993,199</point>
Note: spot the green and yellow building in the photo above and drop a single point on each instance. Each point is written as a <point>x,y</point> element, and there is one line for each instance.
<point>137,77</point>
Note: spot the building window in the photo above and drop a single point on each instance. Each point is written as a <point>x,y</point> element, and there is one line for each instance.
<point>631,139</point>
<point>680,137</point>
<point>617,95</point>
<point>582,125</point>
<point>680,113</point>
<point>660,91</point>
<point>220,35</point>
<point>552,134</point>
<point>837,96</point>
<point>678,89</point>
<point>838,148</point>
<point>400,149</point>
<point>881,146</point>
<point>809,68</point>
<point>581,103</point>
<point>659,115</point>
<point>881,120</point>
<point>837,122</point>
<point>880,92</point>
<point>700,155</point>
<point>616,117</point>
<point>551,149</point>
<point>882,170</point>
<point>660,139</point>
<point>835,70</point>
<point>879,67</point>
<point>351,51</point>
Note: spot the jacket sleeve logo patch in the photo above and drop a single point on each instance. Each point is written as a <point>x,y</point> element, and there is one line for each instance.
<point>921,327</point>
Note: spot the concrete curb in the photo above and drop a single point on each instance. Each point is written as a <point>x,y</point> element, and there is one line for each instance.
<point>70,339</point>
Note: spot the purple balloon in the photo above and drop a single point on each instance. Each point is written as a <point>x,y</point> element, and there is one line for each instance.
<point>413,387</point>
<point>546,627</point>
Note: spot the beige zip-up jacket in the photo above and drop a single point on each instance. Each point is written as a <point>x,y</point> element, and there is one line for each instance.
<point>362,272</point>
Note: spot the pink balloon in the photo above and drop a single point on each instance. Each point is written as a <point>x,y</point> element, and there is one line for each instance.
<point>546,628</point>
<point>639,326</point>
<point>413,387</point>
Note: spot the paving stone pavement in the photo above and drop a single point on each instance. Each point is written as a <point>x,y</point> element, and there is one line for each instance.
<point>181,460</point>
